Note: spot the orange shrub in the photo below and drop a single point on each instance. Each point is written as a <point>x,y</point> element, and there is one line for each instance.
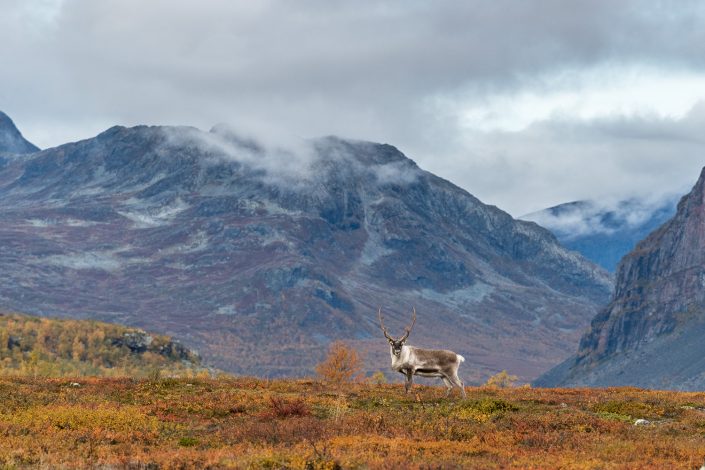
<point>502,380</point>
<point>342,365</point>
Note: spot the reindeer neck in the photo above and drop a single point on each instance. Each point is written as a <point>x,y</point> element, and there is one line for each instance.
<point>406,352</point>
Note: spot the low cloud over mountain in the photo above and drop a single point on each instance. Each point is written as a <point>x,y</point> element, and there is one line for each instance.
<point>605,231</point>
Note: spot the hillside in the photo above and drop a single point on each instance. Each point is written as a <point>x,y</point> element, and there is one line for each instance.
<point>604,233</point>
<point>252,423</point>
<point>259,257</point>
<point>650,335</point>
<point>71,348</point>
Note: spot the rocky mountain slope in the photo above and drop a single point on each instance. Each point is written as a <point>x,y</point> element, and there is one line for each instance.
<point>11,140</point>
<point>604,233</point>
<point>258,257</point>
<point>651,333</point>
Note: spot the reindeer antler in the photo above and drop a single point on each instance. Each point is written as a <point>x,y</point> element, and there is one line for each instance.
<point>408,330</point>
<point>381,323</point>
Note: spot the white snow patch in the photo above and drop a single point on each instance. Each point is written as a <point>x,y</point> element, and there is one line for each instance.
<point>43,223</point>
<point>104,261</point>
<point>461,297</point>
<point>271,207</point>
<point>40,223</point>
<point>373,249</point>
<point>89,191</point>
<point>226,310</point>
<point>153,217</point>
<point>79,223</point>
<point>198,242</point>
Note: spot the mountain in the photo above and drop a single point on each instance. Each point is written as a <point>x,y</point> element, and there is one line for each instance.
<point>69,348</point>
<point>651,333</point>
<point>259,256</point>
<point>11,140</point>
<point>604,232</point>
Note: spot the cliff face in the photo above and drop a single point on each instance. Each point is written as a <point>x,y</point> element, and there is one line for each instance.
<point>258,258</point>
<point>648,335</point>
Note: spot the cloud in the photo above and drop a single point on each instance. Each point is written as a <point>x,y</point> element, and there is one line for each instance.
<point>290,162</point>
<point>581,218</point>
<point>589,93</point>
<point>561,160</point>
<point>411,73</point>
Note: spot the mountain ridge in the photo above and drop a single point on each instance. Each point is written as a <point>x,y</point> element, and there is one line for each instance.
<point>649,334</point>
<point>11,139</point>
<point>259,255</point>
<point>604,232</point>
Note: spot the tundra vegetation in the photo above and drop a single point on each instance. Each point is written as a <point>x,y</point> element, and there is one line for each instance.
<point>229,422</point>
<point>241,422</point>
<point>34,346</point>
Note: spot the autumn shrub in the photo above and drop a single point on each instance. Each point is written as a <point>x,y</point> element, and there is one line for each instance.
<point>635,409</point>
<point>341,365</point>
<point>188,442</point>
<point>482,410</point>
<point>378,378</point>
<point>281,408</point>
<point>502,380</point>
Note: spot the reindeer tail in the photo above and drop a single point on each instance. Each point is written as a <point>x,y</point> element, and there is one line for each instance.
<point>461,358</point>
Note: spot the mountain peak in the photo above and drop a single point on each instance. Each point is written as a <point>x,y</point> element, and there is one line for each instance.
<point>11,140</point>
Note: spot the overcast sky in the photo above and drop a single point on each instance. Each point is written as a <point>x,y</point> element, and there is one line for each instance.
<point>526,104</point>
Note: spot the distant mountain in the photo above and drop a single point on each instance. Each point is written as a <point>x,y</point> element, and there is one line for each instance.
<point>11,140</point>
<point>258,257</point>
<point>651,333</point>
<point>604,233</point>
<point>70,348</point>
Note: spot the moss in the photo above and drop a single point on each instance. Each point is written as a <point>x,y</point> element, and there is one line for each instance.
<point>188,442</point>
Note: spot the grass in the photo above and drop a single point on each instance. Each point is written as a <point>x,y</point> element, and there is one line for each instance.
<point>252,423</point>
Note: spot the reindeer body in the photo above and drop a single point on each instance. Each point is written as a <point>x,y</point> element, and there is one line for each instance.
<point>411,361</point>
<point>429,363</point>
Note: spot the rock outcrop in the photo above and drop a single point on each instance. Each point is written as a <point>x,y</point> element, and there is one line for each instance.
<point>651,333</point>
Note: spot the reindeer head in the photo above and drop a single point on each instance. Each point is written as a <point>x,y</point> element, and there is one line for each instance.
<point>396,344</point>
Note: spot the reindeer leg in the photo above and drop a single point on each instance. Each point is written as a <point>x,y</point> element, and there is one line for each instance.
<point>458,383</point>
<point>409,379</point>
<point>449,386</point>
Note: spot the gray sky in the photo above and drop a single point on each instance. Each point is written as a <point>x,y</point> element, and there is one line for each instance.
<point>525,104</point>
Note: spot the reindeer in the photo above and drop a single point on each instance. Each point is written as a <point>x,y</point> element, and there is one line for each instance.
<point>411,361</point>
